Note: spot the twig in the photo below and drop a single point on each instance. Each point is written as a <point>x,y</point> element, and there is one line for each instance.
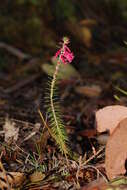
<point>45,124</point>
<point>21,84</point>
<point>16,52</point>
<point>98,172</point>
<point>92,157</point>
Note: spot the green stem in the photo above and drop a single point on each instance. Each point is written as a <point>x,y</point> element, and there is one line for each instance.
<point>52,93</point>
<point>63,146</point>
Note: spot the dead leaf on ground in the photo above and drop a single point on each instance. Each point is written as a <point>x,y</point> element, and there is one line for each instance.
<point>88,22</point>
<point>116,151</point>
<point>11,132</point>
<point>4,183</point>
<point>37,176</point>
<point>86,36</point>
<point>10,179</point>
<point>82,32</point>
<point>88,133</point>
<point>16,178</point>
<point>89,91</point>
<point>109,117</point>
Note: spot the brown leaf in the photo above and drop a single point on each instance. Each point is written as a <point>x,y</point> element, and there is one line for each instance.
<point>88,133</point>
<point>88,22</point>
<point>86,36</point>
<point>81,32</point>
<point>16,178</point>
<point>11,132</point>
<point>10,179</point>
<point>89,91</point>
<point>116,151</point>
<point>4,183</point>
<point>108,117</point>
<point>37,176</point>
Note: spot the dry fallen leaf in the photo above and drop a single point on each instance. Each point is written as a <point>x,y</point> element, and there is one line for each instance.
<point>86,35</point>
<point>10,179</point>
<point>89,91</point>
<point>37,176</point>
<point>4,183</point>
<point>16,178</point>
<point>116,151</point>
<point>108,117</point>
<point>10,131</point>
<point>88,22</point>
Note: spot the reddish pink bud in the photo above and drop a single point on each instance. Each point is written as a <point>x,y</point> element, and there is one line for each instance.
<point>64,54</point>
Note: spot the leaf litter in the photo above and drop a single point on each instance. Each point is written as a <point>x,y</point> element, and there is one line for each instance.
<point>20,91</point>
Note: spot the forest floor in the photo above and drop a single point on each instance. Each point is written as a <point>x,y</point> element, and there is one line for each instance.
<point>90,82</point>
<point>32,149</point>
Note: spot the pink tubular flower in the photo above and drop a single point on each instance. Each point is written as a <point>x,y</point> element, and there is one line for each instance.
<point>64,54</point>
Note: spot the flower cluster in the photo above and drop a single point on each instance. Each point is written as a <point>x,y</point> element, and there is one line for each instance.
<point>64,54</point>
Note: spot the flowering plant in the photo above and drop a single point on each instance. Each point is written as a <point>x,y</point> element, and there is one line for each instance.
<point>57,129</point>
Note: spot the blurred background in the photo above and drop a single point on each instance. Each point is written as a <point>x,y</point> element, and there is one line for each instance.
<point>30,32</point>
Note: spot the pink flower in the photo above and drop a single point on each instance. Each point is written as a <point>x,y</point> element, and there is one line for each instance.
<point>64,54</point>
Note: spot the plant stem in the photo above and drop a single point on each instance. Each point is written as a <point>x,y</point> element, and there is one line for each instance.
<point>52,93</point>
<point>63,146</point>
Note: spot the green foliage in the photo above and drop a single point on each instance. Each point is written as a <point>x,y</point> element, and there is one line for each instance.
<point>121,90</point>
<point>119,181</point>
<point>55,118</point>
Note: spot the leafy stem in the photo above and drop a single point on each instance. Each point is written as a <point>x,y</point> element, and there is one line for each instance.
<point>58,132</point>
